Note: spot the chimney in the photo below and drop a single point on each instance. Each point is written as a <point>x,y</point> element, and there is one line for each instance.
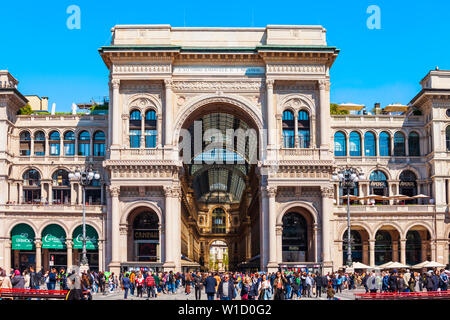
<point>44,104</point>
<point>377,109</point>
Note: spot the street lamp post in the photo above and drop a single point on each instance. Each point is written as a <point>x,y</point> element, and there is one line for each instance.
<point>84,178</point>
<point>347,178</point>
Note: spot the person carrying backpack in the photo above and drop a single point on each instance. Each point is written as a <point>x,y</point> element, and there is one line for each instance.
<point>443,280</point>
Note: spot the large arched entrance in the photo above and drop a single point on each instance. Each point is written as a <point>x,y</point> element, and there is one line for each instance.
<point>218,143</point>
<point>294,238</point>
<point>145,237</point>
<point>387,245</point>
<point>218,256</point>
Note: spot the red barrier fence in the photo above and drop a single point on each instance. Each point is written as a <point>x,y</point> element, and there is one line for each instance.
<point>403,295</point>
<point>32,293</point>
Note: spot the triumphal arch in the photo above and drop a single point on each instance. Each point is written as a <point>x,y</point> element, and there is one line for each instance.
<point>200,176</point>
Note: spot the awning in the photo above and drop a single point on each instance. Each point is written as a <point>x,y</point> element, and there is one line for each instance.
<point>53,237</point>
<point>22,237</point>
<point>396,107</point>
<point>350,106</point>
<point>91,238</point>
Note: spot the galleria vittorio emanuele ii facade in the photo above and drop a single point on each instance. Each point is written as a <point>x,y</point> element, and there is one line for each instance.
<point>218,151</point>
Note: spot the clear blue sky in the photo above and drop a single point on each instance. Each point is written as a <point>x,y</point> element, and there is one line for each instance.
<point>374,65</point>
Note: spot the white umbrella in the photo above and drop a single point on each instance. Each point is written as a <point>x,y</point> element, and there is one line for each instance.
<point>398,265</point>
<point>359,265</point>
<point>420,196</point>
<point>434,264</point>
<point>385,265</point>
<point>420,265</point>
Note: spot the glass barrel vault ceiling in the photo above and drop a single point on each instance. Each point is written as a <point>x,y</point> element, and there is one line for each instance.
<point>218,172</point>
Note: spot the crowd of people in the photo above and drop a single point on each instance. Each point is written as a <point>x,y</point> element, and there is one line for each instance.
<point>286,285</point>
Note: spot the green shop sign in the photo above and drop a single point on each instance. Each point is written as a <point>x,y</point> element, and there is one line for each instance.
<point>22,237</point>
<point>91,238</point>
<point>53,237</point>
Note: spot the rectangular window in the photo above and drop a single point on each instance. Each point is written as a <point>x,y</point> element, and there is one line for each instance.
<point>69,149</point>
<point>84,149</point>
<point>135,138</point>
<point>288,138</point>
<point>150,138</point>
<point>54,149</point>
<point>99,149</point>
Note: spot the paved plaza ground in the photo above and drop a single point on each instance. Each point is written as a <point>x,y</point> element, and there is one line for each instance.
<point>180,295</point>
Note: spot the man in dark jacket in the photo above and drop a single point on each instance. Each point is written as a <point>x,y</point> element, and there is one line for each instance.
<point>198,285</point>
<point>126,283</point>
<point>393,282</point>
<point>226,290</point>
<point>210,286</point>
<point>319,284</point>
<point>35,279</point>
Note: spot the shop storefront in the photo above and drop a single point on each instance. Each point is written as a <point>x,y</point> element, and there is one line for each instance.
<point>23,251</point>
<point>54,247</point>
<point>91,246</point>
<point>312,267</point>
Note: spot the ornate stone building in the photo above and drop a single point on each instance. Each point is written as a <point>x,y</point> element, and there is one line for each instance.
<point>223,136</point>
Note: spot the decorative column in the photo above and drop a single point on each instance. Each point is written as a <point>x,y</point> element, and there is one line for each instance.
<point>172,235</point>
<point>125,232</point>
<point>327,207</point>
<point>69,245</point>
<point>20,192</point>
<point>7,255</point>
<point>142,145</point>
<point>114,113</point>
<point>159,130</point>
<point>50,193</point>
<point>38,245</point>
<point>297,142</point>
<point>100,255</point>
<point>263,227</point>
<point>403,251</point>
<point>395,250</point>
<point>272,265</point>
<point>324,86</point>
<point>168,113</point>
<point>270,114</point>
<point>114,266</point>
<point>372,252</point>
<point>80,195</point>
<point>279,248</point>
<point>433,249</point>
<point>315,232</point>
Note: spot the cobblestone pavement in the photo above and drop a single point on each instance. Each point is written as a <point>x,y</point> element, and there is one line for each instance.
<point>180,295</point>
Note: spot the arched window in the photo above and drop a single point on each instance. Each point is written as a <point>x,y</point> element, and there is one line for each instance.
<point>25,143</point>
<point>54,140</point>
<point>84,144</point>
<point>357,246</point>
<point>399,144</point>
<point>340,147</point>
<point>414,144</point>
<point>69,143</point>
<point>385,144</point>
<point>303,129</point>
<point>135,126</point>
<point>294,238</point>
<point>39,143</point>
<point>99,144</point>
<point>355,144</point>
<point>413,247</point>
<point>61,187</point>
<point>369,144</point>
<point>447,138</point>
<point>379,185</point>
<point>408,185</point>
<point>383,247</point>
<point>150,129</point>
<point>218,221</point>
<point>31,186</point>
<point>288,129</point>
